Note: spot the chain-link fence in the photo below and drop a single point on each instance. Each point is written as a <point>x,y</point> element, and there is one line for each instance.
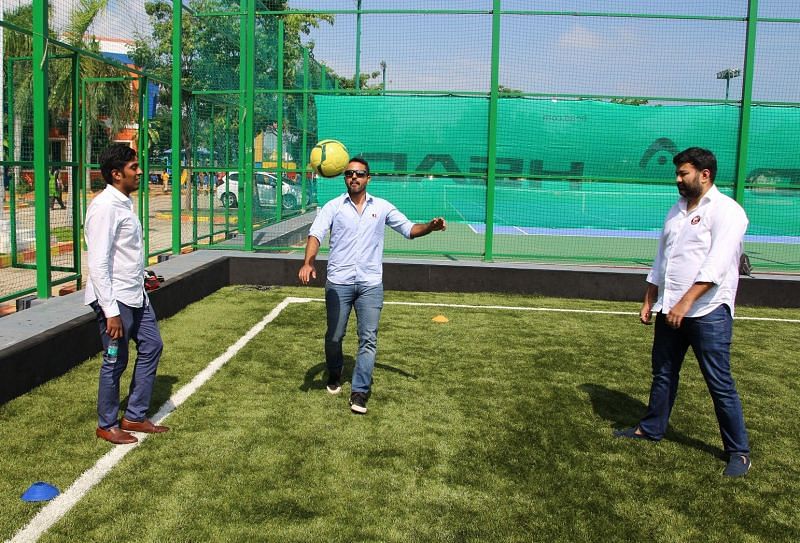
<point>543,131</point>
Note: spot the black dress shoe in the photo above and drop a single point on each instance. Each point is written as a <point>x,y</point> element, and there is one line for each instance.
<point>145,426</point>
<point>116,435</point>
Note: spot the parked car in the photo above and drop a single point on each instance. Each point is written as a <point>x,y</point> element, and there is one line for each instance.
<point>228,192</point>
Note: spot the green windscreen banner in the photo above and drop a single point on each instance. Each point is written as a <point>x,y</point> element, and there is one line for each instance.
<point>566,164</point>
<point>567,139</point>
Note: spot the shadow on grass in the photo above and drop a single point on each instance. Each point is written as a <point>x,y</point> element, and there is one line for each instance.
<point>316,376</point>
<point>624,411</point>
<point>162,391</point>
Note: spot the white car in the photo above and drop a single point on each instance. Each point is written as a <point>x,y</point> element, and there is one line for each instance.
<point>228,192</point>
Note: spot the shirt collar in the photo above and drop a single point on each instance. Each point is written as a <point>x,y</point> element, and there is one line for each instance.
<point>711,194</point>
<point>347,198</point>
<point>118,194</point>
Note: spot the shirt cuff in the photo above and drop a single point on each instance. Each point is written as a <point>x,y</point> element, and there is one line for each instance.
<point>707,276</point>
<point>111,310</point>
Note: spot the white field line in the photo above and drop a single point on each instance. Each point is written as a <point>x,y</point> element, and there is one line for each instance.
<point>544,309</point>
<point>62,503</point>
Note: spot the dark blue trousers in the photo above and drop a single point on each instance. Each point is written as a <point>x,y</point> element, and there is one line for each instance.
<point>139,324</point>
<point>710,339</point>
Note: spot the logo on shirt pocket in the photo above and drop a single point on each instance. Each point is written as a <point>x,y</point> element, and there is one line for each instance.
<point>696,219</point>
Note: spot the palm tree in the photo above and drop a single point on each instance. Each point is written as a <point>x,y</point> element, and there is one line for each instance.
<point>113,100</point>
<point>17,44</point>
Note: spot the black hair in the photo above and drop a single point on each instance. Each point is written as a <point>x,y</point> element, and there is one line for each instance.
<point>114,157</point>
<point>701,159</point>
<point>361,160</point>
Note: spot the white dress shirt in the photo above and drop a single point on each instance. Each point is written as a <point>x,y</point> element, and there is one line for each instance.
<point>356,245</point>
<point>702,245</point>
<point>116,255</point>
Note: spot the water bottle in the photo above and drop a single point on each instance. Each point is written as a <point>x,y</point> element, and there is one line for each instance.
<point>111,351</point>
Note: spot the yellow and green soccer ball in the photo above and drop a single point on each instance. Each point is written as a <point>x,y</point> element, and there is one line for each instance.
<point>329,158</point>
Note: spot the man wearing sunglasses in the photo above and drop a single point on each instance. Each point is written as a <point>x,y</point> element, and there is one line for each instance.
<point>356,221</point>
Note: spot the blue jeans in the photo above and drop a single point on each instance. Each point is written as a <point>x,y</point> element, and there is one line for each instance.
<point>138,324</point>
<point>710,339</point>
<point>339,301</point>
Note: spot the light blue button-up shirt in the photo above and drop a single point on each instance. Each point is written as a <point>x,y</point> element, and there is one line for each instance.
<point>356,244</point>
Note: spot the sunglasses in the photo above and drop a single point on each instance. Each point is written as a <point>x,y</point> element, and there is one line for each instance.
<point>361,174</point>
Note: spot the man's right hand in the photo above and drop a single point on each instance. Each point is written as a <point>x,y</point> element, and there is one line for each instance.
<point>307,273</point>
<point>646,313</point>
<point>650,298</point>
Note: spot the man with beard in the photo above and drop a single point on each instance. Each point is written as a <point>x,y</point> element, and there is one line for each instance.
<point>691,288</point>
<point>356,221</point>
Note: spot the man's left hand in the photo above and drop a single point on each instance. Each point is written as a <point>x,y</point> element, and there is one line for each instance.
<point>676,314</point>
<point>437,224</point>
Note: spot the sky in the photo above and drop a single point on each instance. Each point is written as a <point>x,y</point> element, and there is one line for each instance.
<point>567,54</point>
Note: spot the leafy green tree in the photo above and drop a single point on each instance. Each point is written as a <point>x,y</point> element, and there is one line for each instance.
<point>110,105</point>
<point>210,60</point>
<point>17,44</point>
<point>115,100</point>
<point>348,83</point>
<point>630,101</point>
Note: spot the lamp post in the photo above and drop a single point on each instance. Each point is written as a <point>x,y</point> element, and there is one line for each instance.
<point>383,69</point>
<point>728,74</point>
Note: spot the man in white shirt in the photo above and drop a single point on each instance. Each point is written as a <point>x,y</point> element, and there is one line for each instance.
<point>356,221</point>
<point>115,291</point>
<point>692,288</point>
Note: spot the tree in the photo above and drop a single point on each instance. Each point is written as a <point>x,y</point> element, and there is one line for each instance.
<point>109,104</point>
<point>114,98</point>
<point>508,91</point>
<point>364,78</point>
<point>17,44</point>
<point>630,101</point>
<point>210,60</point>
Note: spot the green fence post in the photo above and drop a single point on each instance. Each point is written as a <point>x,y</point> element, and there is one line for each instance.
<point>40,147</point>
<point>191,179</point>
<point>747,99</point>
<point>83,160</point>
<point>12,146</point>
<point>491,143</point>
<point>144,161</point>
<point>304,148</point>
<point>226,210</point>
<point>241,225</point>
<point>212,177</point>
<point>279,135</point>
<point>77,216</point>
<point>357,79</point>
<point>177,24</point>
<point>247,174</point>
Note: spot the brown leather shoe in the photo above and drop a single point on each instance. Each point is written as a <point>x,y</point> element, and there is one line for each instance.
<point>116,435</point>
<point>145,426</point>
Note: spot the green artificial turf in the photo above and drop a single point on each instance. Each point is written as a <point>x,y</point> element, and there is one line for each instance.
<point>495,426</point>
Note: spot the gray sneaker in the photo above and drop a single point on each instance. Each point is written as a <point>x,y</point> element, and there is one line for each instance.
<point>358,403</point>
